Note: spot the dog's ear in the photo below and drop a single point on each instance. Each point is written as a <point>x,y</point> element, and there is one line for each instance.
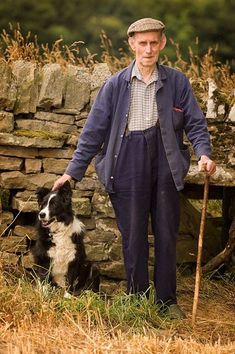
<point>65,192</point>
<point>41,193</point>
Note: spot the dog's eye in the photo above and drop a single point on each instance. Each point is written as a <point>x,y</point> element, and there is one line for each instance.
<point>52,202</point>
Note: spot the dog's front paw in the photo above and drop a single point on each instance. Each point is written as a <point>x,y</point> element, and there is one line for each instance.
<point>67,295</point>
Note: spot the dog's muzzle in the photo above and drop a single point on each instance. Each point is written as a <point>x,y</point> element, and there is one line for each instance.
<point>44,222</point>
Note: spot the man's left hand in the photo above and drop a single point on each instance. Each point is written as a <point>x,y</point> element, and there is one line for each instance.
<point>207,165</point>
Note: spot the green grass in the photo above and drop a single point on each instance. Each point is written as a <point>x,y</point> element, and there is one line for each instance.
<point>36,318</point>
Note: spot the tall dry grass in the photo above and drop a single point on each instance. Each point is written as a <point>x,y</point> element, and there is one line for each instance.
<point>15,46</point>
<point>35,318</point>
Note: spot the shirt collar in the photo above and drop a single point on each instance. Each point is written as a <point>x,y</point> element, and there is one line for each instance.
<point>136,73</point>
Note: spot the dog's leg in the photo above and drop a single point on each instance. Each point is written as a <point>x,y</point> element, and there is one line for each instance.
<point>59,279</point>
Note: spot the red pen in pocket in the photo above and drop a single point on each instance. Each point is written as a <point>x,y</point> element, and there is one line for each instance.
<point>177,109</point>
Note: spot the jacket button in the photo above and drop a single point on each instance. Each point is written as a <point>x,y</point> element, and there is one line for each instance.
<point>121,136</point>
<point>111,177</point>
<point>115,156</point>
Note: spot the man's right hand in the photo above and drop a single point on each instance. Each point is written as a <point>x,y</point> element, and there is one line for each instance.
<point>60,181</point>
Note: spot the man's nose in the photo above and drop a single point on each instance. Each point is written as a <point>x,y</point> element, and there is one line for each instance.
<point>148,48</point>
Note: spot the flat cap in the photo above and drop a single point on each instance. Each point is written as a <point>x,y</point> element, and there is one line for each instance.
<point>145,25</point>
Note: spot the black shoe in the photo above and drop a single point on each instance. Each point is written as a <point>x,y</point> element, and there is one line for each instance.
<point>173,312</point>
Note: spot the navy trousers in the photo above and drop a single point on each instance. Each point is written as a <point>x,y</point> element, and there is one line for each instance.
<point>144,187</point>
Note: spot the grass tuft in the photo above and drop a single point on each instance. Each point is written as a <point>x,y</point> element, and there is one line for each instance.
<point>36,318</point>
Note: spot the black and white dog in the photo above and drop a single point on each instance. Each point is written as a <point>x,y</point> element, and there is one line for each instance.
<point>59,252</point>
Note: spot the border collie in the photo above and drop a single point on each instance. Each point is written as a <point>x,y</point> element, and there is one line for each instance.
<point>59,252</point>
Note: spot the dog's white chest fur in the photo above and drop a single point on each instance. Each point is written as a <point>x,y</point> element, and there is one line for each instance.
<point>63,252</point>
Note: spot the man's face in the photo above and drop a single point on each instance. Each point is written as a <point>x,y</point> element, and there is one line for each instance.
<point>147,46</point>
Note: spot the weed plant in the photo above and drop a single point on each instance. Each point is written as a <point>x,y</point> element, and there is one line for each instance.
<point>14,46</point>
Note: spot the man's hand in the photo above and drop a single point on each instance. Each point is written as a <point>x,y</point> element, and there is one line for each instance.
<point>60,181</point>
<point>207,165</point>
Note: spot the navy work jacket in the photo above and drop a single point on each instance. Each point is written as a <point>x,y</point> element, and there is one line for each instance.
<point>105,126</point>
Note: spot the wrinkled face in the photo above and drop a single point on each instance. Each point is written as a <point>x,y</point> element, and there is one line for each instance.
<point>147,47</point>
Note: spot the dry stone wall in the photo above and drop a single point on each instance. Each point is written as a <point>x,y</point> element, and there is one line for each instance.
<point>42,112</point>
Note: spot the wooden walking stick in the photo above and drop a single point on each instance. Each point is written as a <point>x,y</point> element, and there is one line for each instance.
<point>200,244</point>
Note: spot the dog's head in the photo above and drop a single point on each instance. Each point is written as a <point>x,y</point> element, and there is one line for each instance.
<point>54,205</point>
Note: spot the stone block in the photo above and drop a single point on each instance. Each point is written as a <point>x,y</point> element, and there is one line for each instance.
<point>88,222</point>
<point>26,141</point>
<point>26,195</point>
<point>33,165</point>
<point>66,153</point>
<point>6,122</point>
<point>231,159</point>
<point>25,201</point>
<point>18,180</point>
<point>102,204</point>
<point>99,75</point>
<point>115,252</point>
<point>10,163</point>
<point>111,287</point>
<point>54,117</point>
<point>57,166</point>
<point>73,139</point>
<point>80,123</point>
<point>83,194</point>
<point>25,206</point>
<point>97,236</point>
<point>25,231</point>
<point>96,253</point>
<point>113,270</point>
<point>27,77</point>
<point>63,110</point>
<point>52,86</point>
<point>90,172</point>
<point>81,206</point>
<point>215,103</point>
<point>77,90</point>
<point>88,183</point>
<point>7,87</point>
<point>108,225</point>
<point>14,179</point>
<point>18,151</point>
<point>40,125</point>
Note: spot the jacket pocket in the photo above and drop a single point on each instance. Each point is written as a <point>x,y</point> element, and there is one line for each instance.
<point>178,119</point>
<point>185,158</point>
<point>100,167</point>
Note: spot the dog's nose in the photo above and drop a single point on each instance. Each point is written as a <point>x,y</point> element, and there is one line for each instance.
<point>42,215</point>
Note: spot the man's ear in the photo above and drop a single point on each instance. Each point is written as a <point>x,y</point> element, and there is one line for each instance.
<point>163,41</point>
<point>131,43</point>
